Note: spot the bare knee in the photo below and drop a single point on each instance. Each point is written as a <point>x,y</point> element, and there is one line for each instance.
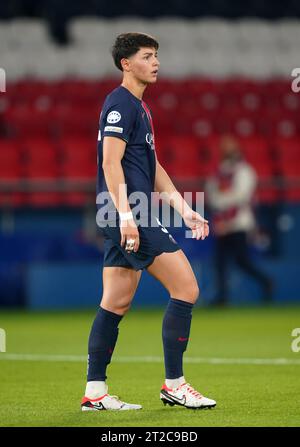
<point>193,292</point>
<point>190,292</point>
<point>118,306</point>
<point>119,286</point>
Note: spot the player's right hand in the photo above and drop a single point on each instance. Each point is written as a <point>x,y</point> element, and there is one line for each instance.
<point>130,238</point>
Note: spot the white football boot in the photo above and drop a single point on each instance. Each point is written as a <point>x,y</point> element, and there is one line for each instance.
<point>186,396</point>
<point>106,402</point>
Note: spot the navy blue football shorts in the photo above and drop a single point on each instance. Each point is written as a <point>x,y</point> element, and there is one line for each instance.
<point>153,242</point>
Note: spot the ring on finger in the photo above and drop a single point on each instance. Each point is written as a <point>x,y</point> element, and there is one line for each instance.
<point>130,244</point>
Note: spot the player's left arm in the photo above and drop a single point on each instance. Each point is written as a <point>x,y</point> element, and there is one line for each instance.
<point>168,192</point>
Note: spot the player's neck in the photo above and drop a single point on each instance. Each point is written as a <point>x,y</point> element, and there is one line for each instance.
<point>137,89</point>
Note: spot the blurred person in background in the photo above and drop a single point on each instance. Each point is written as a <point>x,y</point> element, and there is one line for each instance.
<point>230,197</point>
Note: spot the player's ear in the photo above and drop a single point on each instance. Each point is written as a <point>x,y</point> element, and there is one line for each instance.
<point>125,64</point>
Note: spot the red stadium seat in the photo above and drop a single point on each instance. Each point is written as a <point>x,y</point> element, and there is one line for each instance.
<point>78,150</point>
<point>79,164</point>
<point>70,120</point>
<point>10,160</point>
<point>24,121</point>
<point>41,170</point>
<point>288,151</point>
<point>277,122</point>
<point>41,159</point>
<point>10,173</point>
<point>183,156</point>
<point>257,152</point>
<point>188,114</point>
<point>40,151</point>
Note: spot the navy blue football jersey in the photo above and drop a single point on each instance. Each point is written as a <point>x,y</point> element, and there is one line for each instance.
<point>125,116</point>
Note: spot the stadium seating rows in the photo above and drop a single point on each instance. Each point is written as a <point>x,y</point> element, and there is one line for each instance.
<point>48,134</point>
<point>239,106</point>
<point>204,47</point>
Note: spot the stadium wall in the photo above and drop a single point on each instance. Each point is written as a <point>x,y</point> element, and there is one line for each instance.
<point>61,286</point>
<point>53,260</point>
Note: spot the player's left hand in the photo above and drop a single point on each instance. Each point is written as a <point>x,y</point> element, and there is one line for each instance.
<point>197,224</point>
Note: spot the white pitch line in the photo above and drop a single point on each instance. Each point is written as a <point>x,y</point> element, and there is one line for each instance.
<point>149,359</point>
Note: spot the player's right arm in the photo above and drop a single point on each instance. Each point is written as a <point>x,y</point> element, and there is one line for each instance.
<point>113,152</point>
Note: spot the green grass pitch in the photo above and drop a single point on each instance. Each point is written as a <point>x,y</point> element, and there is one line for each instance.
<point>231,358</point>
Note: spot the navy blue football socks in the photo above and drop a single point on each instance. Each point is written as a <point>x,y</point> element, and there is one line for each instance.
<point>102,341</point>
<point>175,334</point>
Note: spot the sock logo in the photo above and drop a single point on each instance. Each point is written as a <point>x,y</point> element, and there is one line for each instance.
<point>182,339</point>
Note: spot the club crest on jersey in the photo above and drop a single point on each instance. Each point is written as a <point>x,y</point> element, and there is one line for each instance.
<point>113,117</point>
<point>150,140</point>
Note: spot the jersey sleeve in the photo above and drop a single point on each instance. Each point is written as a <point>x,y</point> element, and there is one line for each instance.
<point>119,120</point>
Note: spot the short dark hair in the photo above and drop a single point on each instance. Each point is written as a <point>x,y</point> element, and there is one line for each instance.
<point>128,44</point>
